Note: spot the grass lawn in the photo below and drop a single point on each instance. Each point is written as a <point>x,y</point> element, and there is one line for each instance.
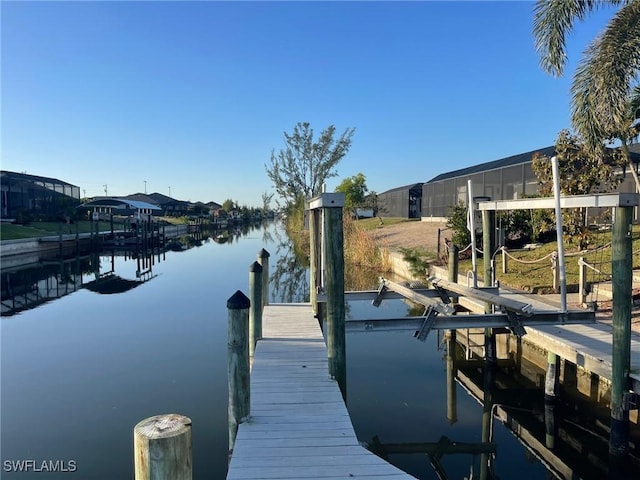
<point>538,277</point>
<point>43,229</point>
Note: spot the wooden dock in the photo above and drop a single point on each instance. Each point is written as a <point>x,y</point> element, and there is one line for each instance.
<point>589,346</point>
<point>299,426</point>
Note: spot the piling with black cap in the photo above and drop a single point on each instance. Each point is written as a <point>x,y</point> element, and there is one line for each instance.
<point>238,363</point>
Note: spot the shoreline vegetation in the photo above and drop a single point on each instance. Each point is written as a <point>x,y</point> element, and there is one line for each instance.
<point>369,241</point>
<point>367,244</point>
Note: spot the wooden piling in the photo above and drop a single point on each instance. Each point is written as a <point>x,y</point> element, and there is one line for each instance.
<point>488,244</point>
<point>452,403</point>
<point>582,280</point>
<point>504,259</point>
<point>336,339</point>
<point>453,263</point>
<point>622,284</point>
<point>550,397</point>
<point>555,267</point>
<point>453,266</point>
<point>238,363</point>
<point>551,377</point>
<point>488,241</point>
<point>162,448</point>
<point>255,310</point>
<point>314,258</point>
<point>331,205</point>
<point>263,259</point>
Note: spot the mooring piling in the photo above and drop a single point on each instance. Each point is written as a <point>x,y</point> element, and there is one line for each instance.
<point>315,255</point>
<point>551,388</point>
<point>255,310</point>
<point>332,237</point>
<point>452,404</point>
<point>238,363</point>
<point>162,448</point>
<point>621,248</point>
<point>263,260</point>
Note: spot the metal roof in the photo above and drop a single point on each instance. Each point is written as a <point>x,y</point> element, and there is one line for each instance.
<point>516,160</point>
<point>495,164</point>
<point>413,186</point>
<point>7,175</point>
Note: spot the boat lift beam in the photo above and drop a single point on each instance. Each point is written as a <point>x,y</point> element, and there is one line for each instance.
<point>445,322</point>
<point>519,308</point>
<point>427,301</point>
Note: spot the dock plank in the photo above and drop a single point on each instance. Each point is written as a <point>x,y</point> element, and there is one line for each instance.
<point>588,346</point>
<point>299,427</point>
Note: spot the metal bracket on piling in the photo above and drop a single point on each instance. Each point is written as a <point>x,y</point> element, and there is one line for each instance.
<point>515,324</point>
<point>430,315</point>
<point>381,291</point>
<point>444,296</point>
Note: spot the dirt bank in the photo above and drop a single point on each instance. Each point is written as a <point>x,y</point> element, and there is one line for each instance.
<point>409,235</point>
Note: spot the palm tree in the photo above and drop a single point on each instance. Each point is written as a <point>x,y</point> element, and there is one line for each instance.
<point>604,86</point>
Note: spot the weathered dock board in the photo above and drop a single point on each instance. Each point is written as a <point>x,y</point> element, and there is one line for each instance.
<point>299,426</point>
<point>588,346</point>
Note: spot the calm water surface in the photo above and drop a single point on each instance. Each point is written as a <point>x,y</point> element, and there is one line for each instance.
<point>79,372</point>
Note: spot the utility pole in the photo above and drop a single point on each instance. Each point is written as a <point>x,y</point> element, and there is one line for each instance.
<point>105,191</point>
<point>145,187</point>
<point>169,190</point>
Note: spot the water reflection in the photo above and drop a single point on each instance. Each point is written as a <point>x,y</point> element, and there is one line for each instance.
<point>458,415</point>
<point>28,281</point>
<point>569,436</point>
<point>289,281</point>
<point>114,359</point>
<point>31,285</point>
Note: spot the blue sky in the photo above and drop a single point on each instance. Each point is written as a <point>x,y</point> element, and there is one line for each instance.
<point>192,97</point>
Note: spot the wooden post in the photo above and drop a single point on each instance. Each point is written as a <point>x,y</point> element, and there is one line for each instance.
<point>162,448</point>
<point>452,404</point>
<point>504,259</point>
<point>621,280</point>
<point>336,339</point>
<point>453,266</point>
<point>551,377</point>
<point>255,310</point>
<point>314,258</point>
<point>332,229</point>
<point>582,282</point>
<point>488,244</point>
<point>438,247</point>
<point>550,396</point>
<point>453,263</point>
<point>556,272</point>
<point>238,363</point>
<point>488,241</point>
<point>263,259</point>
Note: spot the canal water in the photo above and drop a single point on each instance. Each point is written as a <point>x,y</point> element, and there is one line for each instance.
<point>80,371</point>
